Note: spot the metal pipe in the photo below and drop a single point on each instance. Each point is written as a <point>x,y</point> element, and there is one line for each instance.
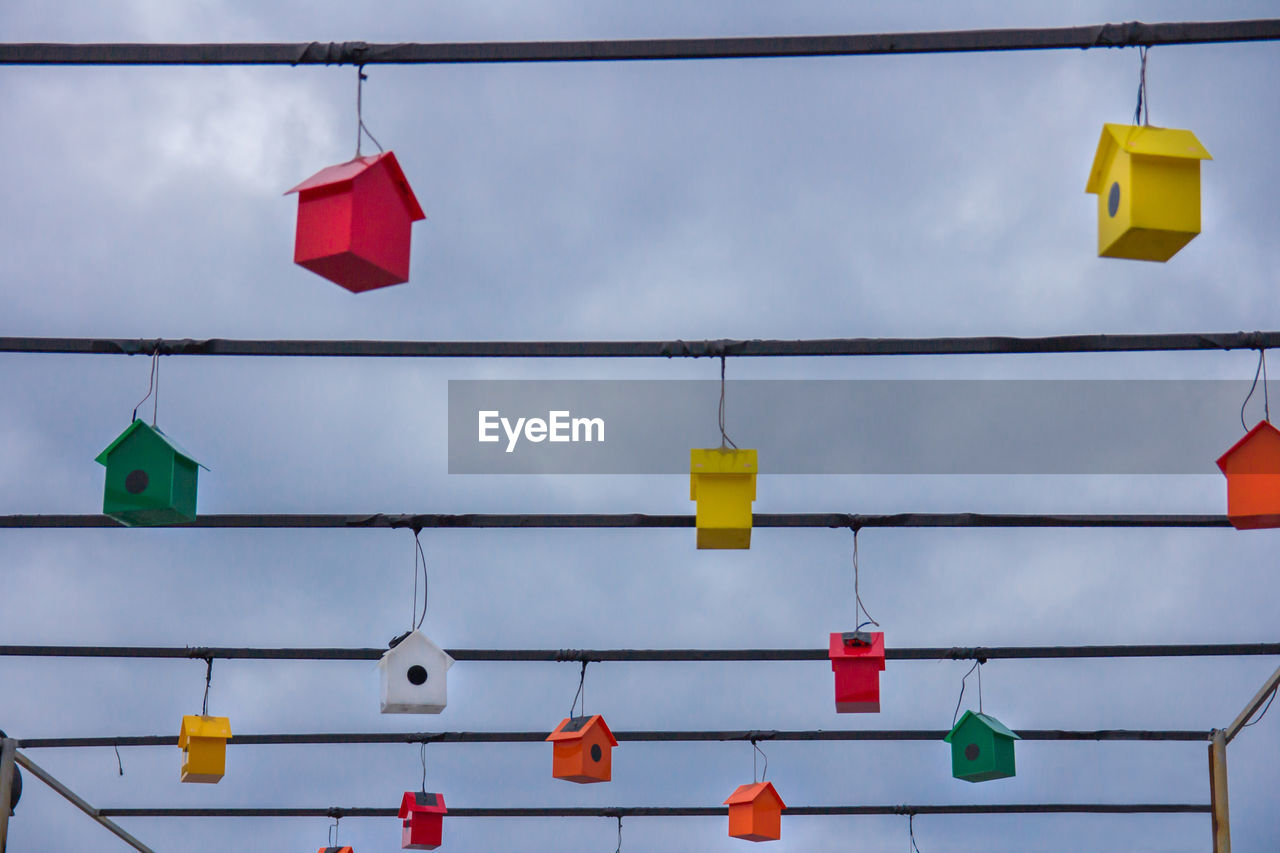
<point>8,748</point>
<point>1268,687</point>
<point>72,798</point>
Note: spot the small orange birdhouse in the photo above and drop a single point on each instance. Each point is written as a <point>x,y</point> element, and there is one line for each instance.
<point>335,850</point>
<point>582,750</point>
<point>755,812</point>
<point>1252,468</point>
<point>857,659</point>
<point>354,222</point>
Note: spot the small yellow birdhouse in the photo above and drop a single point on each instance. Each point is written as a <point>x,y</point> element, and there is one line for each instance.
<point>723,482</point>
<point>1147,180</point>
<point>204,747</point>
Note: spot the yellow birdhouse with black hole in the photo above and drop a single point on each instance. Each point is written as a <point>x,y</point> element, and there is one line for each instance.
<point>723,482</point>
<point>1147,180</point>
<point>204,747</point>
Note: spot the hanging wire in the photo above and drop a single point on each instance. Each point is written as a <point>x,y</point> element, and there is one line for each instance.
<point>1264,710</point>
<point>758,752</point>
<point>582,692</point>
<point>1142,113</point>
<point>857,597</point>
<point>1266,401</point>
<point>361,130</point>
<point>208,679</point>
<point>422,754</point>
<point>619,848</point>
<point>419,558</point>
<point>724,437</point>
<point>977,664</point>
<point>911,833</point>
<point>333,833</point>
<point>119,763</point>
<point>153,385</point>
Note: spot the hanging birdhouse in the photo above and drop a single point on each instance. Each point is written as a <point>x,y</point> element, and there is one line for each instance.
<point>335,850</point>
<point>981,748</point>
<point>413,676</point>
<point>423,816</point>
<point>755,812</point>
<point>857,659</point>
<point>1147,180</point>
<point>150,479</point>
<point>582,750</point>
<point>1252,468</point>
<point>354,222</point>
<point>723,482</point>
<point>204,747</point>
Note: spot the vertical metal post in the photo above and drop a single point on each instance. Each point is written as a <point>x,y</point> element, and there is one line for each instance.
<point>8,746</point>
<point>1218,792</point>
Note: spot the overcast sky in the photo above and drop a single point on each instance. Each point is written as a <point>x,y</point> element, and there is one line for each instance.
<point>797,198</point>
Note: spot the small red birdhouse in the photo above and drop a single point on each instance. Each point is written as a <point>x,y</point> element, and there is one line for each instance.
<point>755,812</point>
<point>1252,467</point>
<point>423,816</point>
<point>582,751</point>
<point>857,659</point>
<point>354,221</point>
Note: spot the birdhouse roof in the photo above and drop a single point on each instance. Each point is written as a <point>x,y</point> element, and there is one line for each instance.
<point>984,720</point>
<point>872,648</point>
<point>576,728</point>
<point>1263,430</point>
<point>415,643</point>
<point>139,424</point>
<point>198,726</point>
<point>751,793</point>
<point>717,460</point>
<point>420,802</point>
<point>346,173</point>
<point>335,850</point>
<point>1142,139</point>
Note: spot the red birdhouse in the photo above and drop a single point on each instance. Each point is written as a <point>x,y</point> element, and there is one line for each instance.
<point>755,812</point>
<point>857,659</point>
<point>354,221</point>
<point>1252,467</point>
<point>423,816</point>
<point>582,751</point>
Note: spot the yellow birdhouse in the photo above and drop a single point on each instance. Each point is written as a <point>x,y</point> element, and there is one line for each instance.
<point>723,482</point>
<point>1147,180</point>
<point>204,747</point>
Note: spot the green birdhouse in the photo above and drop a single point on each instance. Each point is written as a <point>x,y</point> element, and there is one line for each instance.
<point>150,480</point>
<point>981,748</point>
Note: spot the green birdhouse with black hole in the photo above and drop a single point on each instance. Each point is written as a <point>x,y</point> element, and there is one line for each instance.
<point>150,480</point>
<point>981,748</point>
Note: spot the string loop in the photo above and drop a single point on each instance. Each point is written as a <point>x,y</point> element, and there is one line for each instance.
<point>153,385</point>
<point>208,679</point>
<point>725,441</point>
<point>1142,112</point>
<point>1266,400</point>
<point>582,692</point>
<point>361,130</point>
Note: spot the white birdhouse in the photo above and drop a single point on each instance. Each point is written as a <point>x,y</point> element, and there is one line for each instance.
<point>413,676</point>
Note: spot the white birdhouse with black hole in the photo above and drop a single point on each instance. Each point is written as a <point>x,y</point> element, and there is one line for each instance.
<point>413,675</point>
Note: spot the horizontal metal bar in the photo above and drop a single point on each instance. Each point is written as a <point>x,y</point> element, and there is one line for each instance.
<point>71,797</point>
<point>744,735</point>
<point>647,349</point>
<point>556,521</point>
<point>650,655</point>
<point>684,811</point>
<point>359,53</point>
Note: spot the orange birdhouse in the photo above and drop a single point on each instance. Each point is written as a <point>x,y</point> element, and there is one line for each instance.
<point>334,850</point>
<point>1252,468</point>
<point>354,221</point>
<point>857,659</point>
<point>582,750</point>
<point>755,812</point>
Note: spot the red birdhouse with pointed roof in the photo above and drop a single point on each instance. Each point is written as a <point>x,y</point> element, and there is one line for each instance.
<point>755,812</point>
<point>857,659</point>
<point>582,750</point>
<point>1252,468</point>
<point>423,816</point>
<point>354,222</point>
